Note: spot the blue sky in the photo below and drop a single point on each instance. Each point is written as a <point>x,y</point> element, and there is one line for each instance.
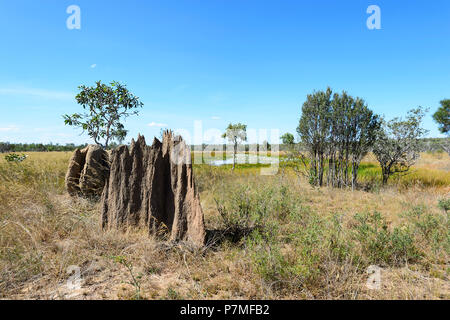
<point>217,61</point>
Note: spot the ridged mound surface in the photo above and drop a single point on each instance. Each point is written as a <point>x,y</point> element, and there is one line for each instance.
<point>87,172</point>
<point>153,186</point>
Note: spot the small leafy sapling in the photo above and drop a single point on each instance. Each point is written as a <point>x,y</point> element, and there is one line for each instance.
<point>236,134</point>
<point>105,108</point>
<point>14,157</point>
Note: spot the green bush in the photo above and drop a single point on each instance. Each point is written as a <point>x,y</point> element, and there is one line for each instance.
<point>444,204</point>
<point>14,157</point>
<point>289,255</point>
<point>247,207</point>
<point>433,229</point>
<point>238,211</point>
<point>379,245</point>
<point>265,252</point>
<point>340,247</point>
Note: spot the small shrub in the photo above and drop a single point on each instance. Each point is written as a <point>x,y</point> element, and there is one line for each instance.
<point>14,157</point>
<point>243,210</point>
<point>380,245</point>
<point>236,217</point>
<point>172,294</point>
<point>433,229</point>
<point>265,253</point>
<point>340,248</point>
<point>135,279</point>
<point>444,204</point>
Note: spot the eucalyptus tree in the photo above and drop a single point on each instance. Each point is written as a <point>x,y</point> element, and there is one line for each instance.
<point>339,131</point>
<point>236,134</point>
<point>442,118</point>
<point>314,131</point>
<point>363,127</point>
<point>105,108</point>
<point>339,145</point>
<point>397,145</point>
<point>353,132</point>
<point>287,139</point>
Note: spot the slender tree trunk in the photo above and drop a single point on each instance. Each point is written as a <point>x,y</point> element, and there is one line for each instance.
<point>321,163</point>
<point>346,167</point>
<point>355,166</point>
<point>313,165</point>
<point>330,171</point>
<point>107,135</point>
<point>341,171</point>
<point>234,156</point>
<point>385,171</point>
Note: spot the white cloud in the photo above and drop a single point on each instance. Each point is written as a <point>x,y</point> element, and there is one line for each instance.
<point>42,93</point>
<point>9,129</point>
<point>215,118</point>
<point>93,65</point>
<point>155,124</point>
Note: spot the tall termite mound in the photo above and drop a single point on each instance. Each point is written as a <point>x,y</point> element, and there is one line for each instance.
<point>87,172</point>
<point>153,187</point>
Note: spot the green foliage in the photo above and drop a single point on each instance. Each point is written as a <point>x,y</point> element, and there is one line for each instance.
<point>236,134</point>
<point>444,204</point>
<point>172,294</point>
<point>432,229</point>
<point>38,147</point>
<point>287,138</point>
<point>242,210</point>
<point>289,255</point>
<point>397,146</point>
<point>106,106</point>
<point>314,129</point>
<point>338,131</point>
<point>442,117</point>
<point>135,279</point>
<point>275,220</point>
<point>245,208</point>
<point>381,245</point>
<point>266,255</point>
<point>290,246</point>
<point>14,157</point>
<point>337,237</point>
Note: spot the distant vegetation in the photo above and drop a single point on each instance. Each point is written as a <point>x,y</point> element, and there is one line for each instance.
<point>442,117</point>
<point>6,147</point>
<point>236,134</point>
<point>38,147</point>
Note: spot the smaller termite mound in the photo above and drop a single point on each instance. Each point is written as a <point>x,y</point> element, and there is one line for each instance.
<point>87,172</point>
<point>153,187</point>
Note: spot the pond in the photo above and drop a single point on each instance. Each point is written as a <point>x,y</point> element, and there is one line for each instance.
<point>241,158</point>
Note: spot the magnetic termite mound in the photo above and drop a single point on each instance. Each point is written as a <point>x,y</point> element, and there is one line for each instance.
<point>87,172</point>
<point>153,187</point>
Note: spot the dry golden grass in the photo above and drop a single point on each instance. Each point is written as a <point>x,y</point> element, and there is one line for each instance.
<point>43,232</point>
